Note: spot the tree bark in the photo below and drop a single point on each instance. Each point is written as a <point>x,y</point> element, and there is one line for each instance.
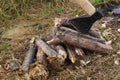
<point>41,57</point>
<point>81,41</point>
<point>62,54</point>
<point>83,35</point>
<point>52,54</point>
<point>95,33</point>
<point>29,58</point>
<point>55,40</point>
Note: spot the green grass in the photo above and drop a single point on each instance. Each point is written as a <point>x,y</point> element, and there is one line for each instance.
<point>11,9</point>
<point>5,45</point>
<point>96,2</point>
<point>59,9</point>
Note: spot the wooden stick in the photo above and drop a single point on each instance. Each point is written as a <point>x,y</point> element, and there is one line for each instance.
<point>29,58</point>
<point>62,54</point>
<point>52,54</point>
<point>95,33</point>
<point>81,41</point>
<point>84,35</point>
<point>41,57</point>
<point>55,40</point>
<point>71,53</point>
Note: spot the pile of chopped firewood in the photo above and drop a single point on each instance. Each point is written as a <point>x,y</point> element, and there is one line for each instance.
<point>65,43</point>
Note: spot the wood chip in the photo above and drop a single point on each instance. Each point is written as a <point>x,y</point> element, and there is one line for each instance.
<point>71,53</point>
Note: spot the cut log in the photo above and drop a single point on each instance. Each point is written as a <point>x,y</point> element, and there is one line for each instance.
<point>41,57</point>
<point>81,41</point>
<point>61,51</point>
<point>52,54</point>
<point>71,53</point>
<point>79,51</point>
<point>81,34</point>
<point>29,58</point>
<point>62,54</point>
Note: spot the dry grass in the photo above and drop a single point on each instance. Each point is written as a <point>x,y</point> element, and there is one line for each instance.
<point>15,8</point>
<point>11,9</point>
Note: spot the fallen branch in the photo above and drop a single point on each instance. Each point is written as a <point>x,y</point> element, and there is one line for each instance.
<point>52,54</point>
<point>95,33</point>
<point>55,40</point>
<point>81,41</point>
<point>82,35</point>
<point>29,58</point>
<point>60,59</point>
<point>41,57</point>
<point>62,54</point>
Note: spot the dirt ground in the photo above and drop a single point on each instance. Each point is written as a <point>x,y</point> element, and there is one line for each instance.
<point>14,43</point>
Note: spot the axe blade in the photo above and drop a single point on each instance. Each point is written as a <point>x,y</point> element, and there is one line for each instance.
<point>84,23</point>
